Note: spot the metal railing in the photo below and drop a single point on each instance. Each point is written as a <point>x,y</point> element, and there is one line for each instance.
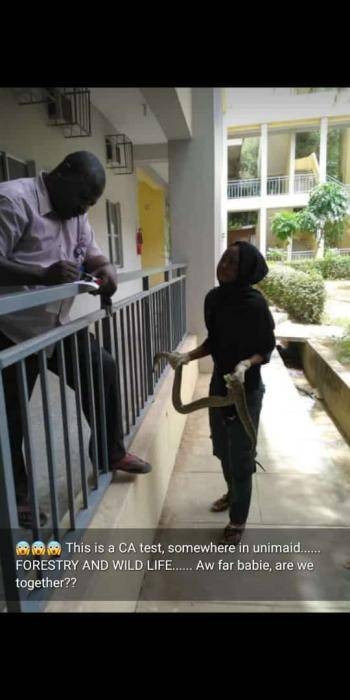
<point>276,185</point>
<point>131,331</point>
<point>345,186</point>
<point>302,254</point>
<point>304,183</point>
<point>243,188</point>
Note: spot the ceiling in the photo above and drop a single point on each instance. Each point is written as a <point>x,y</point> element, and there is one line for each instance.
<point>128,112</point>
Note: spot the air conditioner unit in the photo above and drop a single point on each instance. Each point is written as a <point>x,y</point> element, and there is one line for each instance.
<point>113,154</point>
<point>119,154</point>
<point>59,107</point>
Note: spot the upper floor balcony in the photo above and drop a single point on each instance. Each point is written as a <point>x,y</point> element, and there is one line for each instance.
<point>276,185</point>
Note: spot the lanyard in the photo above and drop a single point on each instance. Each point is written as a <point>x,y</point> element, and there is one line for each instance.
<point>78,250</point>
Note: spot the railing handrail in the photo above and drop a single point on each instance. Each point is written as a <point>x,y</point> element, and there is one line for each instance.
<point>131,332</point>
<point>251,179</point>
<point>148,271</point>
<point>39,342</point>
<point>309,176</point>
<point>19,301</point>
<point>330,178</point>
<point>344,185</point>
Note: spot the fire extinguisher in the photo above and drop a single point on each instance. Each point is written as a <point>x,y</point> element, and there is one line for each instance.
<point>139,241</point>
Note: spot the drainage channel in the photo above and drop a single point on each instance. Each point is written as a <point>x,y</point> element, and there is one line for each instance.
<point>335,446</point>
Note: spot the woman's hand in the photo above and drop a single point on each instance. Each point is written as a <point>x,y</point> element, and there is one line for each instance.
<point>238,372</point>
<point>179,358</point>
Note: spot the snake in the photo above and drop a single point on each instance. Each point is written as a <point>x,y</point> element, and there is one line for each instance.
<point>235,395</point>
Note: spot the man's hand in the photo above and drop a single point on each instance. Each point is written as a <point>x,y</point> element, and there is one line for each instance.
<point>61,272</point>
<point>107,274</point>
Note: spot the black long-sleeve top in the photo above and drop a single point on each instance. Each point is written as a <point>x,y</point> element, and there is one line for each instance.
<point>239,325</point>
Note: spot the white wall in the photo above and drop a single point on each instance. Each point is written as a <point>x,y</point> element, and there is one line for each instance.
<point>24,133</point>
<point>195,202</point>
<point>185,96</point>
<point>278,146</point>
<point>265,105</point>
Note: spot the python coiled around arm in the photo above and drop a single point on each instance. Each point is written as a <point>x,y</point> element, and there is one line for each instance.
<point>235,395</point>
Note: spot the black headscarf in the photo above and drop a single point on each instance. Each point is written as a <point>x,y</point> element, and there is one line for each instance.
<point>252,268</point>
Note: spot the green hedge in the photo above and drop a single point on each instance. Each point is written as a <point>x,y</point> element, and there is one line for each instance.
<point>331,267</point>
<point>342,347</point>
<point>301,295</point>
<point>275,254</point>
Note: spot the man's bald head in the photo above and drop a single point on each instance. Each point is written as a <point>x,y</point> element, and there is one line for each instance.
<point>76,184</point>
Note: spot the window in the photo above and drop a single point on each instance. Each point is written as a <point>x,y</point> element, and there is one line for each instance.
<point>115,242</point>
<point>13,168</point>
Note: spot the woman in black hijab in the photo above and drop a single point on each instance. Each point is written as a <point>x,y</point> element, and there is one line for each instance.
<point>240,339</point>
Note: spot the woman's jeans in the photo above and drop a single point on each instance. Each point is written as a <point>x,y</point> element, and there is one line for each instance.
<point>232,446</point>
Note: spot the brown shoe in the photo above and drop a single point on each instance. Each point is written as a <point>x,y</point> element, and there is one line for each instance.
<point>131,464</point>
<point>221,504</point>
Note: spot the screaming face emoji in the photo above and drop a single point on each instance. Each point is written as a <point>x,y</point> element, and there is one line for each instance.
<point>54,548</point>
<point>22,549</point>
<point>38,548</point>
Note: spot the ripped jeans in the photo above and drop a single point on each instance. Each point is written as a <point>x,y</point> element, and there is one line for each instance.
<point>232,446</point>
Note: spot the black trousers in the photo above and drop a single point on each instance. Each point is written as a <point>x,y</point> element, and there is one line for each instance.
<point>115,444</point>
<point>232,446</point>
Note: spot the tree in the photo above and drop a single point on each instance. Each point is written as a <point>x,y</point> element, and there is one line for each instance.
<point>285,225</point>
<point>325,214</point>
<point>248,167</point>
<point>242,218</point>
<point>334,146</point>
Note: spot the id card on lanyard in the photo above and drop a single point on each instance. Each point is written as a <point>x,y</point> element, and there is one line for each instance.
<point>79,250</point>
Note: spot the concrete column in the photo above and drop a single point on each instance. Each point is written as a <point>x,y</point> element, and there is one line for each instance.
<point>323,149</point>
<point>224,179</point>
<point>323,176</point>
<point>196,200</point>
<point>262,230</point>
<point>263,160</point>
<point>291,163</point>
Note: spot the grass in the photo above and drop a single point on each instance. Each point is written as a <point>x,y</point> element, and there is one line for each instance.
<point>342,347</point>
<point>328,320</point>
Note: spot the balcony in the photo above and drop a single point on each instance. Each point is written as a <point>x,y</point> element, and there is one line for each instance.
<point>279,185</point>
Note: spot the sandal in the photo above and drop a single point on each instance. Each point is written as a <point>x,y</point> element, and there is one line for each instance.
<point>232,534</point>
<point>25,516</point>
<point>220,505</point>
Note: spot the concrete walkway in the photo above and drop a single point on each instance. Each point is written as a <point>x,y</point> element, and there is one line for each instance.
<point>306,482</point>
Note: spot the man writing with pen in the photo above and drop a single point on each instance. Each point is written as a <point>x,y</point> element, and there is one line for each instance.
<point>46,239</point>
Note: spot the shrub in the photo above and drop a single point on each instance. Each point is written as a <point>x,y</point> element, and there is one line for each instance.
<point>275,254</point>
<point>301,295</point>
<point>342,347</point>
<point>335,266</point>
<point>332,267</point>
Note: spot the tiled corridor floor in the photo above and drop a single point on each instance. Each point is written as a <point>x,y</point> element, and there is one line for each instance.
<point>306,482</point>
